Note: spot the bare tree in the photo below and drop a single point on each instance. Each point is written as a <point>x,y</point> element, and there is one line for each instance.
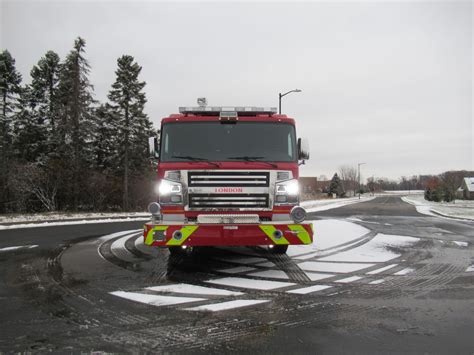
<point>348,175</point>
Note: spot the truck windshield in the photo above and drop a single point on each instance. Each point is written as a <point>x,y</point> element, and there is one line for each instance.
<point>215,141</point>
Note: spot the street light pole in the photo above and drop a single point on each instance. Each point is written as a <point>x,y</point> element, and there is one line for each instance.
<point>358,168</point>
<point>280,95</point>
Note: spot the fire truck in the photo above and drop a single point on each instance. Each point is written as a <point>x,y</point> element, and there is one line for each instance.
<point>227,176</point>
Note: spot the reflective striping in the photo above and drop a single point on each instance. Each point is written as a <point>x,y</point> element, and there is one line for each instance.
<point>302,234</point>
<point>269,230</point>
<point>149,237</point>
<point>186,231</point>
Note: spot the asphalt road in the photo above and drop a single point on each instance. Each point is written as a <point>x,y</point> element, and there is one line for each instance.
<point>87,288</point>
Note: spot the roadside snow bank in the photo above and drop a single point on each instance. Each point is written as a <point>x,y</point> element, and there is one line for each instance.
<point>328,204</point>
<point>65,223</point>
<point>461,209</point>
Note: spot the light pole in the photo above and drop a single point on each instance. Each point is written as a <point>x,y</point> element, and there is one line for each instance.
<point>280,95</point>
<point>358,168</point>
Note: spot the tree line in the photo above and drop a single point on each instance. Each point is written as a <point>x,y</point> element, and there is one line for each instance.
<point>61,149</point>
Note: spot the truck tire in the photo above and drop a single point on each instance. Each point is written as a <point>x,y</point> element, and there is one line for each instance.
<point>279,249</point>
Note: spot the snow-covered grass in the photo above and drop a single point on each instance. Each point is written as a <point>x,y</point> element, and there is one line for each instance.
<point>64,216</point>
<point>328,204</point>
<point>74,222</point>
<point>463,209</point>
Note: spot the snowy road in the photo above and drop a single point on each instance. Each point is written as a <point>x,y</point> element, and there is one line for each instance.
<point>379,278</point>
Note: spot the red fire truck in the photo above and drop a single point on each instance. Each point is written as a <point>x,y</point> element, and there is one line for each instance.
<point>227,176</point>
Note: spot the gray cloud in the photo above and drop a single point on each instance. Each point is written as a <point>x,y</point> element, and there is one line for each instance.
<point>389,84</point>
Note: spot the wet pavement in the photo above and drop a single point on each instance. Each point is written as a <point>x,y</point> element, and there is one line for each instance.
<point>379,278</point>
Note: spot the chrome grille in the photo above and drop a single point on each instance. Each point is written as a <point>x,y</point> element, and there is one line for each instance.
<point>228,178</point>
<point>228,200</point>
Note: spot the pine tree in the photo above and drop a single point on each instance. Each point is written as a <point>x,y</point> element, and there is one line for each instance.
<point>134,127</point>
<point>76,122</point>
<point>335,186</point>
<point>10,90</point>
<point>44,96</point>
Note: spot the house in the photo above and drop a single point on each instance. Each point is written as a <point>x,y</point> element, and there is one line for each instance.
<point>468,188</point>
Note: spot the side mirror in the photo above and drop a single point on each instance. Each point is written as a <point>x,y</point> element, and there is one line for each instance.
<point>303,149</point>
<point>153,148</point>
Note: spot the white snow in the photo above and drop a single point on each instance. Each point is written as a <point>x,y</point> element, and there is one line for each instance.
<point>310,289</point>
<point>63,216</point>
<point>194,289</point>
<point>470,268</point>
<point>67,223</point>
<point>154,300</point>
<point>461,244</point>
<point>250,283</point>
<point>328,204</point>
<point>215,307</point>
<point>463,209</point>
<point>378,271</point>
<point>18,247</point>
<point>375,250</point>
<point>333,267</point>
<point>349,279</point>
<point>404,271</point>
<point>376,282</point>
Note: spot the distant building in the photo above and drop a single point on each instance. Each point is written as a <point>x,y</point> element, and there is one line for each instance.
<point>308,185</point>
<point>468,188</point>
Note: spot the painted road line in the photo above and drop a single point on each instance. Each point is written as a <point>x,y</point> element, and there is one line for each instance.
<point>382,269</point>
<point>349,279</point>
<point>310,289</point>
<point>273,274</point>
<point>215,307</point>
<point>250,283</point>
<point>155,300</point>
<point>194,289</point>
<point>376,282</point>
<point>314,276</point>
<point>404,271</point>
<point>18,247</point>
<point>238,269</point>
<point>333,267</point>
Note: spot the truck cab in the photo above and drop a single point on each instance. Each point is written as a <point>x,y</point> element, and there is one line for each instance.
<point>227,176</point>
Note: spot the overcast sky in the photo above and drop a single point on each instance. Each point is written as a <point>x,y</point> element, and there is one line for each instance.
<point>388,84</point>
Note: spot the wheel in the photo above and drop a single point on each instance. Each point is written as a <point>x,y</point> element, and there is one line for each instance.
<point>279,249</point>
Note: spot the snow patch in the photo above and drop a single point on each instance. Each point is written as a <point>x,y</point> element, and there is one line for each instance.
<point>404,271</point>
<point>70,223</point>
<point>461,244</point>
<point>349,279</point>
<point>470,268</point>
<point>376,282</point>
<point>378,271</point>
<point>18,247</point>
<point>375,250</point>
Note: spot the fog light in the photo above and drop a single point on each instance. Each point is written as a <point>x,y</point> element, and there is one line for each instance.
<point>177,235</point>
<point>175,198</point>
<point>154,208</point>
<point>298,214</point>
<point>277,234</point>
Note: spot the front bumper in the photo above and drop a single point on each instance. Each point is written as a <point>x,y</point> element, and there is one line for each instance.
<point>265,233</point>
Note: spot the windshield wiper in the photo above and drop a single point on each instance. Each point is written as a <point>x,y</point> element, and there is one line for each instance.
<point>257,159</point>
<point>188,157</point>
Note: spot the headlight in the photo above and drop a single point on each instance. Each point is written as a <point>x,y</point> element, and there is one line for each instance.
<point>167,187</point>
<point>170,192</point>
<point>286,192</point>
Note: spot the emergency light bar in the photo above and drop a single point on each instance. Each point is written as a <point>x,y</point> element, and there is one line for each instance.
<point>217,110</point>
